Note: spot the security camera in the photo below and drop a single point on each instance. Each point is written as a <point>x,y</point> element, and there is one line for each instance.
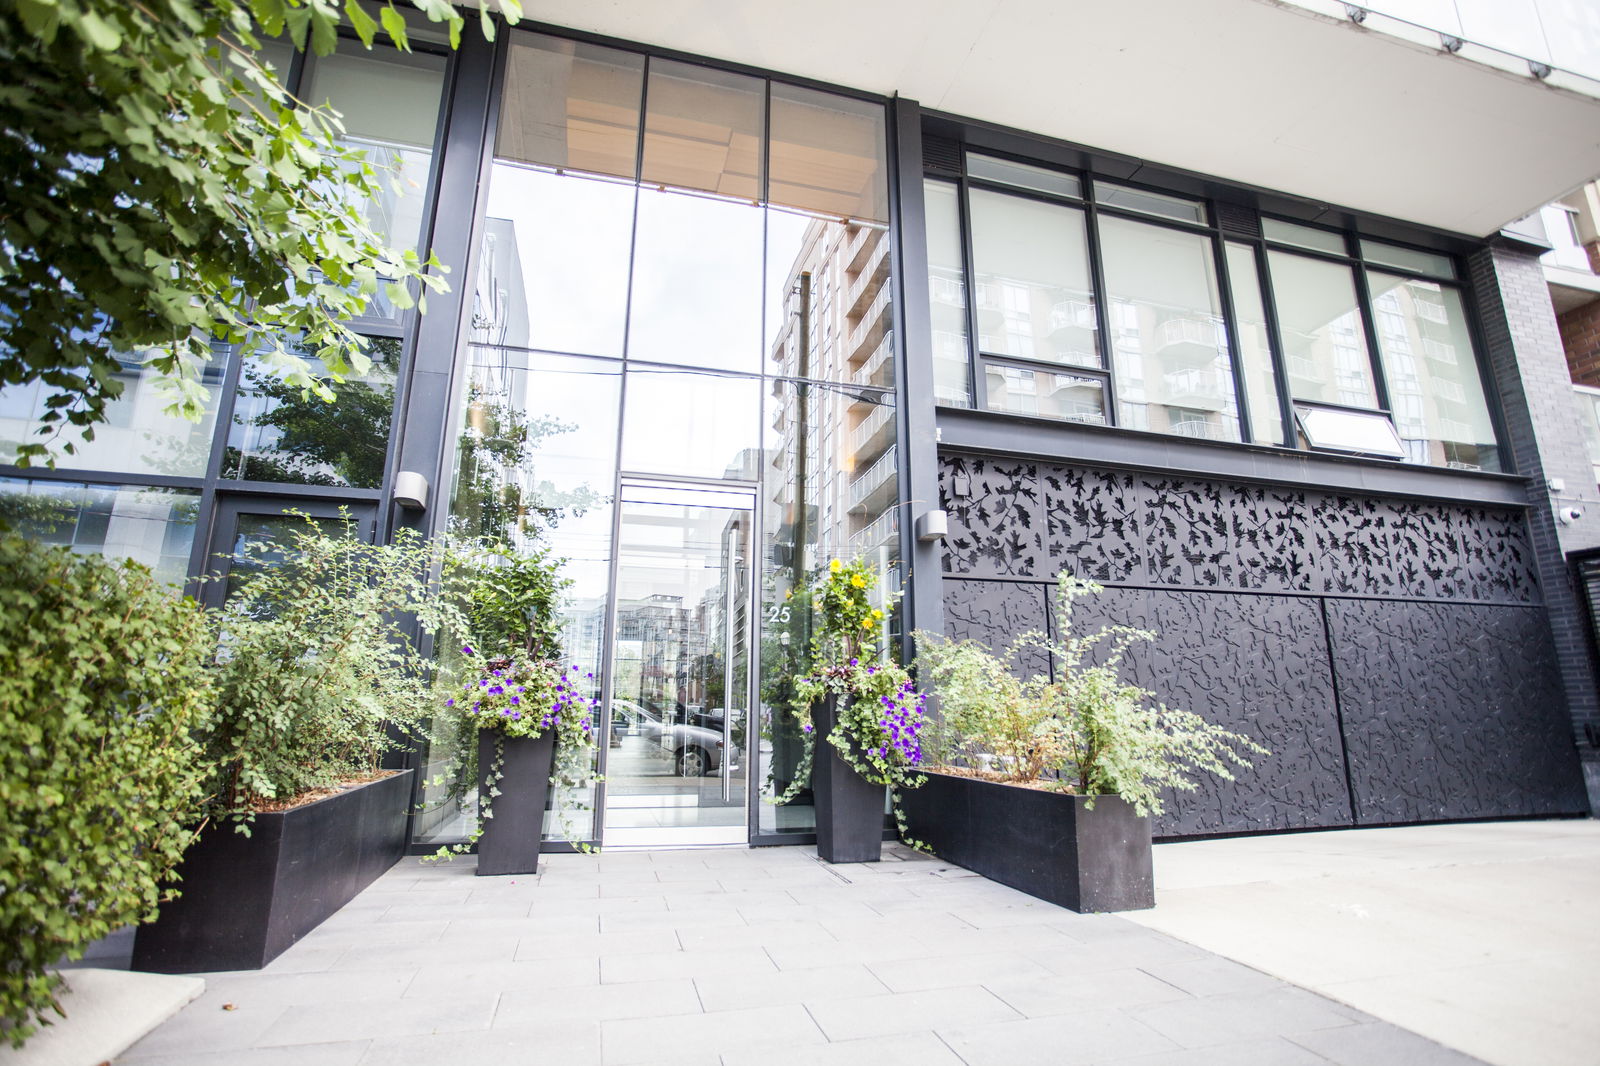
<point>1569,515</point>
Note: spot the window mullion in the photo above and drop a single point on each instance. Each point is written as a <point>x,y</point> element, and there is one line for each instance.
<point>976,386</point>
<point>1097,279</point>
<point>1280,367</point>
<point>1230,321</point>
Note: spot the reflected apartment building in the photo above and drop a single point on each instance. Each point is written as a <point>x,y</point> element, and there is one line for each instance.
<point>727,305</point>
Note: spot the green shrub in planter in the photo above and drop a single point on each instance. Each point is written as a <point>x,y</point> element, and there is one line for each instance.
<point>103,681</point>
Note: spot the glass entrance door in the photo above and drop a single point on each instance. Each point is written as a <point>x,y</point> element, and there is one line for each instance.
<point>676,760</point>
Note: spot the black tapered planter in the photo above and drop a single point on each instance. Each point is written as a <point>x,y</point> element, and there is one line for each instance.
<point>247,899</point>
<point>849,807</point>
<point>510,840</point>
<point>1047,844</point>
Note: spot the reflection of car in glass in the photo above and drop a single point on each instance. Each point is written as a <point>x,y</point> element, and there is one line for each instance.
<point>692,737</point>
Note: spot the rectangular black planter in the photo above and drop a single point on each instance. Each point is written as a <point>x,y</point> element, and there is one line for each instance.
<point>849,807</point>
<point>1047,844</point>
<point>510,840</point>
<point>246,900</point>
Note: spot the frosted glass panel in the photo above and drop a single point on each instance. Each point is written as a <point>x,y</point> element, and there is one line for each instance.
<point>1434,388</point>
<point>703,130</point>
<point>828,154</point>
<point>1168,343</point>
<point>571,105</point>
<point>1034,296</point>
<point>1324,347</point>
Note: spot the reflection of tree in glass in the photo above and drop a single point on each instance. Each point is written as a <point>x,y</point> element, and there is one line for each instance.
<point>284,434</point>
<point>496,496</point>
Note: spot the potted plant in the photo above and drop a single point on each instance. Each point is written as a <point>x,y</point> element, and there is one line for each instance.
<point>520,721</point>
<point>316,679</point>
<point>1049,785</point>
<point>867,711</point>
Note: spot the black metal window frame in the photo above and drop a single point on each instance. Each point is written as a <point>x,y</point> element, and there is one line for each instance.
<point>214,488</point>
<point>1091,177</point>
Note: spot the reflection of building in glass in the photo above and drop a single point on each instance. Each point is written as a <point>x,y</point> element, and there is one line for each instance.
<point>833,476</point>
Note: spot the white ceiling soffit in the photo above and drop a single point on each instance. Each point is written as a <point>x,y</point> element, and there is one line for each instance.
<point>1248,90</point>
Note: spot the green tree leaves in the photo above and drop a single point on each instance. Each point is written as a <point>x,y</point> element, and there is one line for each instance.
<point>163,192</point>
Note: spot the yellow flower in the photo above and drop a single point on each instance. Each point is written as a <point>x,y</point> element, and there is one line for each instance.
<point>836,566</point>
<point>866,623</point>
<point>858,581</point>
<point>877,613</point>
<point>787,596</point>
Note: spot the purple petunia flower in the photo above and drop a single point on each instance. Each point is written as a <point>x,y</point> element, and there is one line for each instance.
<point>450,702</point>
<point>466,649</point>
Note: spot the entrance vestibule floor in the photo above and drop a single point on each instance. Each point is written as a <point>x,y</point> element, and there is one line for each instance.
<point>751,957</point>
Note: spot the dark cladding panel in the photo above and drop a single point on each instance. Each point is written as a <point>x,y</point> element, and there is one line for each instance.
<point>995,613</point>
<point>1207,534</point>
<point>996,518</point>
<point>1254,664</point>
<point>1452,711</point>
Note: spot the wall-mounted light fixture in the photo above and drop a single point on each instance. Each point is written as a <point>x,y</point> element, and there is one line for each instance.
<point>1450,44</point>
<point>932,526</point>
<point>1538,70</point>
<point>411,490</point>
<point>1356,13</point>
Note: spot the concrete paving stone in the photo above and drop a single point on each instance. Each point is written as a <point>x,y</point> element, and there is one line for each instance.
<point>254,990</point>
<point>1035,912</point>
<point>930,926</point>
<point>1062,1041</point>
<point>1071,958</point>
<point>939,971</point>
<point>648,999</point>
<point>811,956</point>
<point>483,908</point>
<point>664,889</point>
<point>556,1043</point>
<point>627,969</point>
<point>1368,1043</point>
<point>1075,993</point>
<point>1271,1051</point>
<point>913,1049</point>
<point>909,1012</point>
<point>793,910</point>
<point>432,982</point>
<point>1211,976</point>
<point>544,925</point>
<point>411,955</point>
<point>564,907</point>
<point>207,1029</point>
<point>708,917</point>
<point>759,934</point>
<point>406,932</point>
<point>595,945</point>
<point>1026,939</point>
<point>1283,1011</point>
<point>400,1017</point>
<point>651,1040</point>
<point>339,1053</point>
<point>701,872</point>
<point>738,992</point>
<point>314,957</point>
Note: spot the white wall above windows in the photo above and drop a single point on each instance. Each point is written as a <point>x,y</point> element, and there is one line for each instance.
<point>1253,91</point>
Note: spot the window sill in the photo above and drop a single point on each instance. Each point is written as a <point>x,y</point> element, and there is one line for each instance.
<point>1043,438</point>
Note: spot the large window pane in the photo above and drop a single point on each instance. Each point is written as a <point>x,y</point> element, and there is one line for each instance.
<point>1168,343</point>
<point>1324,345</point>
<point>535,467</point>
<point>570,105</point>
<point>703,130</point>
<point>697,282</point>
<point>830,455</point>
<point>1035,299</point>
<point>137,437</point>
<point>828,155</point>
<point>1023,176</point>
<point>1434,387</point>
<point>1255,346</point>
<point>281,434</point>
<point>554,269</point>
<point>390,103</point>
<point>152,526</point>
<point>1024,390</point>
<point>947,294</point>
<point>695,425</point>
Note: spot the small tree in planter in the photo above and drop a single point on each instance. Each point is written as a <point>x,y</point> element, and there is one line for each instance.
<point>532,721</point>
<point>318,675</point>
<point>865,707</point>
<point>1088,735</point>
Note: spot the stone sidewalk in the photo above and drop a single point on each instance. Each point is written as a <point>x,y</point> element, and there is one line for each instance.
<point>751,958</point>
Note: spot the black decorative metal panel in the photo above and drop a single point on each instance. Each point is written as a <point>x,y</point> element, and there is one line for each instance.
<point>1452,711</point>
<point>995,518</point>
<point>1257,665</point>
<point>1011,518</point>
<point>995,613</point>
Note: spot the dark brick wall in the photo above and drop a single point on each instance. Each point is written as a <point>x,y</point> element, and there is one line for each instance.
<point>1544,435</point>
<point>1580,336</point>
